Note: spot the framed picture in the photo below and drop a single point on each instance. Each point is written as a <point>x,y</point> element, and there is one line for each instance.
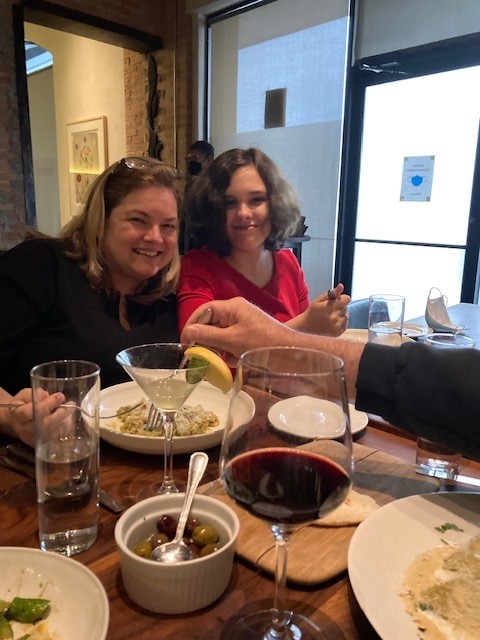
<point>87,157</point>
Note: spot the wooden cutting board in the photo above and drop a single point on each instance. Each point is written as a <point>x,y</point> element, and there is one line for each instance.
<point>316,553</point>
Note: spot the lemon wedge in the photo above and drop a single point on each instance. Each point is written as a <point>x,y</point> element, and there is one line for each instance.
<point>218,372</point>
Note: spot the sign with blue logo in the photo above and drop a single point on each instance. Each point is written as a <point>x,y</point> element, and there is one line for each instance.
<point>417,178</point>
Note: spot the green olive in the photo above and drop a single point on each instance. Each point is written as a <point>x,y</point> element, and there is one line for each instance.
<point>156,539</point>
<point>204,534</point>
<point>209,548</point>
<point>143,549</point>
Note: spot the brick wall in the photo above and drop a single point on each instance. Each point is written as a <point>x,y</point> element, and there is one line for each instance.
<point>12,200</point>
<point>165,18</point>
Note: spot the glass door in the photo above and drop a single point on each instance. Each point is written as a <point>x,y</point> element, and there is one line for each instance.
<point>415,225</point>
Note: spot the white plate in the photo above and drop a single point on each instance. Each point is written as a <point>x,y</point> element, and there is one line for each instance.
<point>385,544</point>
<point>294,415</point>
<point>415,330</point>
<point>361,335</point>
<point>78,603</point>
<point>211,399</point>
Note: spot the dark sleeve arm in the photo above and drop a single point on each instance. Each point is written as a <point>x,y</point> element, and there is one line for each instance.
<point>425,391</point>
<point>27,291</point>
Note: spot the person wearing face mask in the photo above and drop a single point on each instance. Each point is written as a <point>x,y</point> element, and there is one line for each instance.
<point>199,156</point>
<point>242,210</point>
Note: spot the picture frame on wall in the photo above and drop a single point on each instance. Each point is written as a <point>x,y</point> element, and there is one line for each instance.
<point>87,157</point>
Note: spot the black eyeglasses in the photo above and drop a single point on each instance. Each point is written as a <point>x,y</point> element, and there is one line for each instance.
<point>134,162</point>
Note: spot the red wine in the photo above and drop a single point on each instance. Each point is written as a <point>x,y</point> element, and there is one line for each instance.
<point>286,485</point>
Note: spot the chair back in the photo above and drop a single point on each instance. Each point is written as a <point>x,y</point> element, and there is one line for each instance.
<point>358,314</point>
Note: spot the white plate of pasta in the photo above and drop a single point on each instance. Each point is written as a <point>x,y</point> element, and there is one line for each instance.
<point>205,410</point>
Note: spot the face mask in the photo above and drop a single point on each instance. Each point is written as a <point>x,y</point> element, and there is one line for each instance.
<point>194,167</point>
<point>436,313</point>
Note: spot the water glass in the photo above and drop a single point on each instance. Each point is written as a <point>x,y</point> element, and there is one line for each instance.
<point>435,459</point>
<point>67,455</point>
<point>385,319</point>
<point>432,458</point>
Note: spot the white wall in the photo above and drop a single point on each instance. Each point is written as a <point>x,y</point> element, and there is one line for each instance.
<point>389,25</point>
<point>88,82</point>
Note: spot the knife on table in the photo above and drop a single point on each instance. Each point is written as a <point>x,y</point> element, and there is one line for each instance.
<point>473,482</point>
<point>24,463</point>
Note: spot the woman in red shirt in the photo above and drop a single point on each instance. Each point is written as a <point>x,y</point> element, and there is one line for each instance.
<point>241,211</point>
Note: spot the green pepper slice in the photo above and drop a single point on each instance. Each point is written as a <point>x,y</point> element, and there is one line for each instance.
<point>27,609</point>
<point>6,632</point>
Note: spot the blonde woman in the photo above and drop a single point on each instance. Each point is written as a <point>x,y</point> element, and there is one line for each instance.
<point>107,282</point>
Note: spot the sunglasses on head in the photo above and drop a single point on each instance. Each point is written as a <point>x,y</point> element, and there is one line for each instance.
<point>134,162</point>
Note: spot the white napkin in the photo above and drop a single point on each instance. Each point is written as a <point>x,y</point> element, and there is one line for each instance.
<point>436,313</point>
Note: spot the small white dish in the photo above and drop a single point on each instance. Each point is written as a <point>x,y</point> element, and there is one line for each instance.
<point>211,399</point>
<point>78,603</point>
<point>294,416</point>
<point>185,586</point>
<point>412,330</point>
<point>361,335</point>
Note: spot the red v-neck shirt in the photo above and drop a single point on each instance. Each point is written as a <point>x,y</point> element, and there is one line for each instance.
<point>205,276</point>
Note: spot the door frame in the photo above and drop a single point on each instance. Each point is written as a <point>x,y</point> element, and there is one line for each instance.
<point>47,14</point>
<point>447,55</point>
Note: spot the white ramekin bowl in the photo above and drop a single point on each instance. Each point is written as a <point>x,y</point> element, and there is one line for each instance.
<point>183,587</point>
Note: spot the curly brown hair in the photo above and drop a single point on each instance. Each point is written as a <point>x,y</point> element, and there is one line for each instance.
<point>206,202</point>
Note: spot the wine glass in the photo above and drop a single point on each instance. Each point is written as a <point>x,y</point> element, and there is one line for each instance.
<point>158,369</point>
<point>290,464</point>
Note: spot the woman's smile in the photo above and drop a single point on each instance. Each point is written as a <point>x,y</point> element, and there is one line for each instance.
<point>140,237</point>
<point>148,252</point>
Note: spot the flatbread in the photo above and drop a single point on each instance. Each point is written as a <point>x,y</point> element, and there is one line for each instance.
<point>355,508</point>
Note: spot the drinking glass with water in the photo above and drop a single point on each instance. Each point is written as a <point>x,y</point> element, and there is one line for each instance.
<point>67,455</point>
<point>385,319</point>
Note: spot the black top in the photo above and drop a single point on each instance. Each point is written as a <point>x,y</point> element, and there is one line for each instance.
<point>430,392</point>
<point>49,311</point>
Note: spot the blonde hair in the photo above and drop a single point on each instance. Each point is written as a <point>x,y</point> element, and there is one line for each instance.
<point>84,233</point>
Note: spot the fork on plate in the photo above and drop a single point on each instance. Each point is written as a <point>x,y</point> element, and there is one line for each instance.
<point>153,418</point>
<point>64,405</point>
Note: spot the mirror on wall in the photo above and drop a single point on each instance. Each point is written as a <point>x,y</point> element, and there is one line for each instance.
<point>41,100</point>
<point>36,58</point>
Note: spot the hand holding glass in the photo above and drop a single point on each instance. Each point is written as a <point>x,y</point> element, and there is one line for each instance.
<point>290,464</point>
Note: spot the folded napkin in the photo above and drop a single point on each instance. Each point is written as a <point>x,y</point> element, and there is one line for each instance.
<point>436,314</point>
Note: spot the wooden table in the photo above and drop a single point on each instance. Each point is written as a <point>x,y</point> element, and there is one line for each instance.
<point>125,475</point>
<point>464,313</point>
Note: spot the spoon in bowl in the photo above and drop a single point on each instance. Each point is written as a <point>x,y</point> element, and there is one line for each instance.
<point>176,550</point>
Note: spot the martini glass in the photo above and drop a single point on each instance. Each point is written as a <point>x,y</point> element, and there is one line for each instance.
<point>289,464</point>
<point>158,369</point>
